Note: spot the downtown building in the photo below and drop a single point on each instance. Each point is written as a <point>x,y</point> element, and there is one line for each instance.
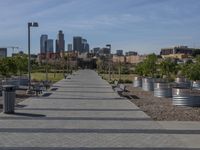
<point>80,45</point>
<point>43,40</point>
<point>60,42</point>
<point>46,45</point>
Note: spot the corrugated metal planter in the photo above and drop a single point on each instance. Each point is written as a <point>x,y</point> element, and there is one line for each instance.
<point>196,85</point>
<point>183,82</point>
<point>147,84</point>
<point>162,89</point>
<point>137,82</point>
<point>185,97</point>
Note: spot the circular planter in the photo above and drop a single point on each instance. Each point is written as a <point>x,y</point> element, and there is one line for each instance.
<point>162,89</point>
<point>182,82</point>
<point>196,85</point>
<point>137,82</point>
<point>147,84</point>
<point>185,97</point>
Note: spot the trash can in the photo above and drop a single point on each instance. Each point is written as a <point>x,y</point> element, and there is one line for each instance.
<point>8,99</point>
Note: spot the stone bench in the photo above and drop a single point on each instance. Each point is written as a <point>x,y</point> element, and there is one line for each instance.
<point>120,89</point>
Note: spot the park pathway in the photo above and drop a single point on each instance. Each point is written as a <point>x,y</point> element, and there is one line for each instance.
<point>84,113</point>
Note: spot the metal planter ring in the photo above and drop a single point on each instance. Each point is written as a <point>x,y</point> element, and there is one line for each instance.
<point>185,97</point>
<point>137,82</point>
<point>147,84</point>
<point>162,89</point>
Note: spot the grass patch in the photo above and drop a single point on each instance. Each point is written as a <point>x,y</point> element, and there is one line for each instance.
<point>54,77</point>
<point>125,78</point>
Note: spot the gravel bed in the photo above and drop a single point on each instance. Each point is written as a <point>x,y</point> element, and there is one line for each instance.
<point>161,109</point>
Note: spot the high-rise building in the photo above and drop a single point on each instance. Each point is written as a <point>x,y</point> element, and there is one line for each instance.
<point>60,42</point>
<point>77,44</point>
<point>85,46</point>
<point>69,47</point>
<point>49,46</point>
<point>43,40</point>
<point>3,52</point>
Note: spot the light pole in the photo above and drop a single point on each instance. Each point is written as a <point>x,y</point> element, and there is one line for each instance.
<point>30,24</point>
<point>109,61</point>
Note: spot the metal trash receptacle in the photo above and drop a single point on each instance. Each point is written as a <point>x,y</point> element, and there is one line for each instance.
<point>9,99</point>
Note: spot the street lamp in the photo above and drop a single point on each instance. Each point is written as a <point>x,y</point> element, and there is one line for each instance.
<point>30,24</point>
<point>109,61</point>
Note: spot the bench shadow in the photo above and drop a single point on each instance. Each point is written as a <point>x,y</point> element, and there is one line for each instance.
<point>54,89</point>
<point>28,114</point>
<point>20,106</point>
<point>46,94</point>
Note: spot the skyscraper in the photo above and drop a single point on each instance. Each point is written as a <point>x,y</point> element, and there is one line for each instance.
<point>49,46</point>
<point>69,47</point>
<point>60,42</point>
<point>85,46</point>
<point>43,40</point>
<point>77,43</point>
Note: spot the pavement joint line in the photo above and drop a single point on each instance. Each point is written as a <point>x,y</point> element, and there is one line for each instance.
<point>38,117</point>
<point>101,131</point>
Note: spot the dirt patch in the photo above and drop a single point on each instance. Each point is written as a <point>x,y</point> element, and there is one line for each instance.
<point>161,109</point>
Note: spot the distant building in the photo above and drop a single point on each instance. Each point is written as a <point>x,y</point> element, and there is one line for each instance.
<point>119,52</point>
<point>77,43</point>
<point>49,46</point>
<point>179,52</point>
<point>96,50</point>
<point>80,45</point>
<point>134,59</point>
<point>60,42</point>
<point>130,53</point>
<point>119,59</point>
<point>69,47</point>
<point>85,46</point>
<point>104,51</point>
<point>43,40</point>
<point>20,53</point>
<point>3,52</point>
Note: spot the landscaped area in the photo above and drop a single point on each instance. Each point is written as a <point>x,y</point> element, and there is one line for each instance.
<point>40,76</point>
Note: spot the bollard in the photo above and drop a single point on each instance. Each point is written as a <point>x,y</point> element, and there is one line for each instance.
<point>8,99</point>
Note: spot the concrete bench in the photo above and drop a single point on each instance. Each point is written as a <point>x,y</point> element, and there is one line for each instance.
<point>37,89</point>
<point>120,89</point>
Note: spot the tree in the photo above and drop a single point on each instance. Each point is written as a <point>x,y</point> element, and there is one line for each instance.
<point>150,66</point>
<point>192,70</point>
<point>167,67</point>
<point>8,67</point>
<point>139,69</point>
<point>22,63</point>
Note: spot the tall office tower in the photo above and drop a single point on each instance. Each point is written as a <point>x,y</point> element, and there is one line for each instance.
<point>69,47</point>
<point>85,46</point>
<point>77,44</point>
<point>60,42</point>
<point>3,52</point>
<point>43,40</point>
<point>49,46</point>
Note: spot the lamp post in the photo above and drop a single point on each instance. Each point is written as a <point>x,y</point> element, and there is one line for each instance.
<point>109,61</point>
<point>30,24</point>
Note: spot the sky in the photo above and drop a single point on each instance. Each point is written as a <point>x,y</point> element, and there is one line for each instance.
<point>144,26</point>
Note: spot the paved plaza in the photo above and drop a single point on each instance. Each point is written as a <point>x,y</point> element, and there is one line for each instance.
<point>83,112</point>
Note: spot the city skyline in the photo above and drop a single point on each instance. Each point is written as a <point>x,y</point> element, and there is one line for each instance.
<point>140,25</point>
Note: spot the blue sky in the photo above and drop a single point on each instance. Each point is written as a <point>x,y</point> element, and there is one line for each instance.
<point>142,25</point>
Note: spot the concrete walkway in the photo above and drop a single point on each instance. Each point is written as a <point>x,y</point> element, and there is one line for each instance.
<point>84,113</point>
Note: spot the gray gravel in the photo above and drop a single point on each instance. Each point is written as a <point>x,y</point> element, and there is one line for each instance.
<point>161,109</point>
